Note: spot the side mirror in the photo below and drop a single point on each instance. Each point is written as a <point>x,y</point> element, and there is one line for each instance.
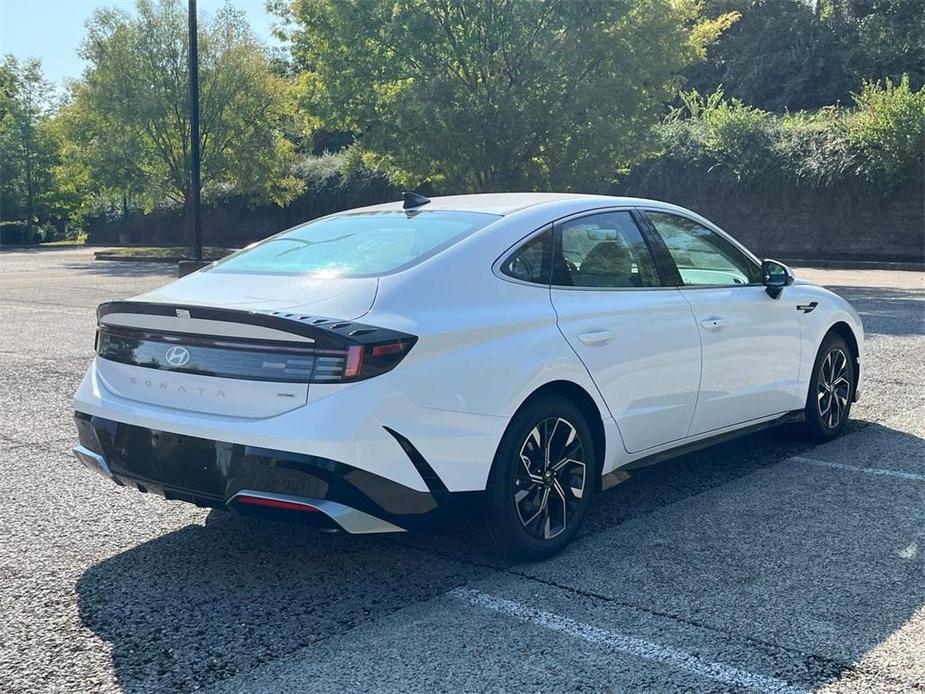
<point>775,276</point>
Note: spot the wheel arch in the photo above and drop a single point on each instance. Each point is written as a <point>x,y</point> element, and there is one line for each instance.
<point>843,330</point>
<point>585,404</point>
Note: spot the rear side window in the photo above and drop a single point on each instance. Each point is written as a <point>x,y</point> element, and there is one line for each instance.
<point>357,245</point>
<point>604,250</point>
<point>530,262</point>
<point>703,257</point>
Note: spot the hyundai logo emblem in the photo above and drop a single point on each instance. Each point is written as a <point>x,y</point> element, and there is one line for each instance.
<point>177,356</point>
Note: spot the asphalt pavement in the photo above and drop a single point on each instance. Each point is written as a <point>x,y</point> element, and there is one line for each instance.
<point>763,564</point>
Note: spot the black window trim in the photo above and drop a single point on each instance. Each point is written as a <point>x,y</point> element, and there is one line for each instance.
<point>515,248</point>
<point>749,256</point>
<point>664,263</point>
<point>557,247</point>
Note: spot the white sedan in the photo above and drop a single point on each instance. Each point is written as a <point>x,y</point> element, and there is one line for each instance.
<point>506,355</point>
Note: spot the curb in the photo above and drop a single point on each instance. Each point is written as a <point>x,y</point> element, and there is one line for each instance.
<point>135,258</point>
<point>145,258</point>
<point>908,266</point>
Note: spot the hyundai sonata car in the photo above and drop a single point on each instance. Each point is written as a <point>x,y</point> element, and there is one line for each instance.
<point>501,356</point>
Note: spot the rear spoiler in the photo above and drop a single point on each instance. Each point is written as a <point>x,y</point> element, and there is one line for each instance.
<point>326,332</point>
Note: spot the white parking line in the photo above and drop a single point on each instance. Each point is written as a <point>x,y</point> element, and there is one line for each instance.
<point>625,644</point>
<point>868,470</point>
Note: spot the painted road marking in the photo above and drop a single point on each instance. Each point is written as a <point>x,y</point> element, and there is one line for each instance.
<point>626,644</point>
<point>868,470</point>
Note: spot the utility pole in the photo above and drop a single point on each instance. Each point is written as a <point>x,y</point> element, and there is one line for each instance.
<point>195,212</point>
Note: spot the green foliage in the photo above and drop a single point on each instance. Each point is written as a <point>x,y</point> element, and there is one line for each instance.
<point>499,94</point>
<point>886,40</point>
<point>792,54</point>
<point>878,145</point>
<point>459,95</point>
<point>334,182</point>
<point>889,129</point>
<point>779,55</point>
<point>721,133</point>
<point>29,144</point>
<point>130,116</point>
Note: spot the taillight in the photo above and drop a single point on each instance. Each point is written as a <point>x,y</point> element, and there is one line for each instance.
<point>330,359</point>
<point>353,366</point>
<point>377,358</point>
<point>366,361</point>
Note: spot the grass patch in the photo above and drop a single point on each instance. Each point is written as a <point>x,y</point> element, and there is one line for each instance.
<point>64,243</point>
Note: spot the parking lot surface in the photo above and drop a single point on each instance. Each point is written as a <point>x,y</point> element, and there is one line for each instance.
<point>763,564</point>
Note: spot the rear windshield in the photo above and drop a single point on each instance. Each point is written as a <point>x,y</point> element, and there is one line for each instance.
<point>361,244</point>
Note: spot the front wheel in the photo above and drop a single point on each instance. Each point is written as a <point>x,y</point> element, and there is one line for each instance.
<point>542,481</point>
<point>831,390</point>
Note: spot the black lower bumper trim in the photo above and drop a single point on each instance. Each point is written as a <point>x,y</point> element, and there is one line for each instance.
<point>209,473</point>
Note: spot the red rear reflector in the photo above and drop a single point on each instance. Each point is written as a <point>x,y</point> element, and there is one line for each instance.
<point>276,503</point>
<point>354,361</point>
<point>391,348</point>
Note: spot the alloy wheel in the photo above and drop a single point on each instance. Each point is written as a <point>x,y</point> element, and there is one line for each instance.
<point>551,479</point>
<point>833,389</point>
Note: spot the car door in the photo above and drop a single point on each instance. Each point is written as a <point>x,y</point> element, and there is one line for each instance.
<point>637,338</point>
<point>751,342</point>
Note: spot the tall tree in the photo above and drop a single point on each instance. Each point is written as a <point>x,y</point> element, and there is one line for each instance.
<point>888,41</point>
<point>495,94</point>
<point>794,54</point>
<point>782,54</point>
<point>130,111</point>
<point>28,146</point>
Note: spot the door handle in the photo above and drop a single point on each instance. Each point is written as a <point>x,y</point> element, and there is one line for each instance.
<point>596,337</point>
<point>714,323</point>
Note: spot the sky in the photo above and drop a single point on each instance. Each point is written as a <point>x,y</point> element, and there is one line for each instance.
<point>52,30</point>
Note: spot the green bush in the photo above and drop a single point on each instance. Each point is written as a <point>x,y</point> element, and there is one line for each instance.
<point>888,130</point>
<point>344,173</point>
<point>335,182</point>
<point>727,136</point>
<point>814,150</point>
<point>712,142</point>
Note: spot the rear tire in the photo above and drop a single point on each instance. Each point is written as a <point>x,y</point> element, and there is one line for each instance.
<point>831,390</point>
<point>542,480</point>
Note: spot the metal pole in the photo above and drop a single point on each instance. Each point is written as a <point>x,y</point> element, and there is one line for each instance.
<point>195,212</point>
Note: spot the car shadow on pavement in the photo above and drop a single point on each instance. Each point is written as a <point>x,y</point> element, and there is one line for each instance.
<point>208,601</point>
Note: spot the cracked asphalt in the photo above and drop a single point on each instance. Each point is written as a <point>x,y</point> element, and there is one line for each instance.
<point>763,564</point>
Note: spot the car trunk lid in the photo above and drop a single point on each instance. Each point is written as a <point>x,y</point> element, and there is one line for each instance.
<point>335,297</point>
<point>230,361</point>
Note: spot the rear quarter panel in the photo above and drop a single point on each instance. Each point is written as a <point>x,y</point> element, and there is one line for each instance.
<point>485,343</point>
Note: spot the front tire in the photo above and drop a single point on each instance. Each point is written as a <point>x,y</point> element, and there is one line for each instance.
<point>831,390</point>
<point>542,480</point>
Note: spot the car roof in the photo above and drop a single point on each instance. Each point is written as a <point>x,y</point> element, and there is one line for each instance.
<point>507,203</point>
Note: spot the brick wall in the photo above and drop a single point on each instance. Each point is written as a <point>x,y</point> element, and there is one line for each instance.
<point>809,226</point>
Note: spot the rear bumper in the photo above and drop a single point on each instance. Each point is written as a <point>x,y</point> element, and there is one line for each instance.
<point>347,423</point>
<point>258,481</point>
